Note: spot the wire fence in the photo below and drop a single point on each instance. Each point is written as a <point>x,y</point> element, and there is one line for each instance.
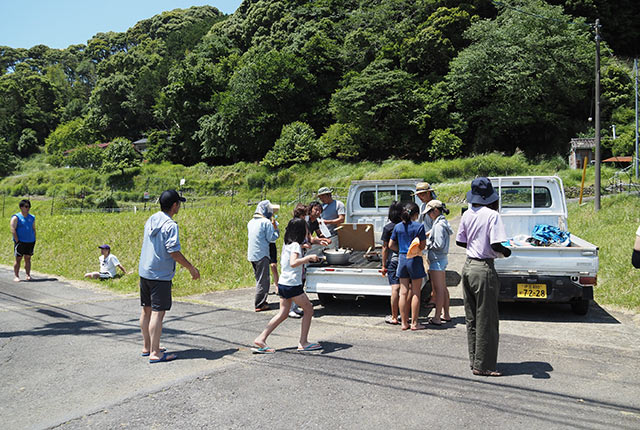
<point>77,204</point>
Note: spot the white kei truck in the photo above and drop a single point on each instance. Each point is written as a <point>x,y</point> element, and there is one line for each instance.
<point>559,274</point>
<point>532,273</point>
<point>367,208</point>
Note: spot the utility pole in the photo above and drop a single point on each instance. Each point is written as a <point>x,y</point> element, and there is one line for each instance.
<point>635,161</point>
<point>597,184</point>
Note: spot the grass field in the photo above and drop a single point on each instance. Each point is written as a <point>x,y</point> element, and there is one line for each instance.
<point>214,239</point>
<point>613,230</point>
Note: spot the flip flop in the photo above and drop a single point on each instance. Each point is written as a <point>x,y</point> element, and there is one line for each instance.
<point>419,327</point>
<point>310,347</point>
<point>146,354</point>
<point>263,350</point>
<point>431,321</point>
<point>446,320</point>
<point>165,357</point>
<point>389,320</point>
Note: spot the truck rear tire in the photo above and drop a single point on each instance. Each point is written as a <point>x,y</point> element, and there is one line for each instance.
<point>580,306</point>
<point>326,299</point>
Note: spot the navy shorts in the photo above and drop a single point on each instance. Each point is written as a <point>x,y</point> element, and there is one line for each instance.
<point>288,292</point>
<point>156,294</point>
<point>412,268</point>
<point>392,271</point>
<point>23,248</point>
<point>273,253</point>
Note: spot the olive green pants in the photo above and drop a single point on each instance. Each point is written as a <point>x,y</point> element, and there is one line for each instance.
<point>480,287</point>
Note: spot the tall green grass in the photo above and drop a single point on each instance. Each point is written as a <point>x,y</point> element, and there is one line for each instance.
<point>85,187</point>
<point>613,230</point>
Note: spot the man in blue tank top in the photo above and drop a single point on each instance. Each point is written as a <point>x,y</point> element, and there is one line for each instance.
<point>23,229</point>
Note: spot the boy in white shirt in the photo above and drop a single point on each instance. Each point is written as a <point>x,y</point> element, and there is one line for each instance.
<point>108,264</point>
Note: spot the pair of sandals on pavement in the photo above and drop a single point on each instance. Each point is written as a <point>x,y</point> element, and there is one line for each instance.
<point>165,357</point>
<point>265,349</point>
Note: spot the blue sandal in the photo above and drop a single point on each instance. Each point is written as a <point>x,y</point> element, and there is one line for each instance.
<point>165,357</point>
<point>310,347</point>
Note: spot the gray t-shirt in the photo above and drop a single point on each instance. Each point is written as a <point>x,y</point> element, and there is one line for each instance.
<point>332,211</point>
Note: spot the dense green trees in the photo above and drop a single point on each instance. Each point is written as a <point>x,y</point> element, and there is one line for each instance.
<point>522,80</point>
<point>421,79</point>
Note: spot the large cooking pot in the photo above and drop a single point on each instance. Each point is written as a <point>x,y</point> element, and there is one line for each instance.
<point>337,256</point>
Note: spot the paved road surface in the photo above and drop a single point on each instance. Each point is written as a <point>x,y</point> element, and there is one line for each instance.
<point>70,359</point>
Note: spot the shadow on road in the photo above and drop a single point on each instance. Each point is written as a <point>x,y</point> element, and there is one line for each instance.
<point>40,280</point>
<point>537,369</point>
<point>207,354</point>
<point>553,312</point>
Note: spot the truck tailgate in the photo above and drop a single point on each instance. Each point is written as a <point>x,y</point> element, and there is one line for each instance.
<point>579,258</point>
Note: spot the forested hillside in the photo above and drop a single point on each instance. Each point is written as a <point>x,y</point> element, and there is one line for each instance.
<point>291,81</point>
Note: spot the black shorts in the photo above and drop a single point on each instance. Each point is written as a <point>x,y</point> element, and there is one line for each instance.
<point>23,248</point>
<point>273,253</point>
<point>288,292</point>
<point>156,294</point>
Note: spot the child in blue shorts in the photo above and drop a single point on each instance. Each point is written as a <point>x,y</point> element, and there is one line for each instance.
<point>290,288</point>
<point>410,270</point>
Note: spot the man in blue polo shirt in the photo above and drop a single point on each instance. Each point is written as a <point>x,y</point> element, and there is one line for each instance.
<point>160,252</point>
<point>23,229</point>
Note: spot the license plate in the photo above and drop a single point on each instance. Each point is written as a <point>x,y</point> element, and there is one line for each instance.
<point>532,291</point>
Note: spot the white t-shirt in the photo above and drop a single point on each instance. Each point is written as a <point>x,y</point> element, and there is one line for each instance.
<point>290,276</point>
<point>638,231</point>
<point>109,264</point>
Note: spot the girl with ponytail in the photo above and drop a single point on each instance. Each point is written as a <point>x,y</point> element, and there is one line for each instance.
<point>410,270</point>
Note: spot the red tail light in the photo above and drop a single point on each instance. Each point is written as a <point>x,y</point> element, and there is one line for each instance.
<point>588,280</point>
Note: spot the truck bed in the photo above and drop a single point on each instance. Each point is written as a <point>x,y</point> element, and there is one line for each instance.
<point>356,261</point>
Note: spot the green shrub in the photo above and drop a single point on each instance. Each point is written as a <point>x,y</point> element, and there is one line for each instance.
<point>338,142</point>
<point>105,201</point>
<point>296,144</point>
<point>256,180</point>
<point>86,157</point>
<point>444,144</point>
<point>68,135</point>
<point>120,155</point>
<point>28,142</point>
<point>158,147</point>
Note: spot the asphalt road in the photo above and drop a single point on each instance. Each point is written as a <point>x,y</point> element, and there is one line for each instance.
<point>70,358</point>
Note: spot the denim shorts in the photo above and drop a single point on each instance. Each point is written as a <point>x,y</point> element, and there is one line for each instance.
<point>392,271</point>
<point>412,268</point>
<point>288,292</point>
<point>439,265</point>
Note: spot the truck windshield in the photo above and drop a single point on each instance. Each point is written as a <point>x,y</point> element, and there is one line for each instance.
<point>520,197</point>
<point>385,197</point>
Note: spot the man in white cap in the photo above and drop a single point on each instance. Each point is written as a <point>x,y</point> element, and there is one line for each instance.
<point>262,230</point>
<point>333,213</point>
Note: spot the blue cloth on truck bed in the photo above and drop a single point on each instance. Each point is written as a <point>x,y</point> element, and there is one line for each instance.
<point>546,235</point>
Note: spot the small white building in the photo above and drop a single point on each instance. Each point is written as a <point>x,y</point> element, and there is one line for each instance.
<point>581,148</point>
